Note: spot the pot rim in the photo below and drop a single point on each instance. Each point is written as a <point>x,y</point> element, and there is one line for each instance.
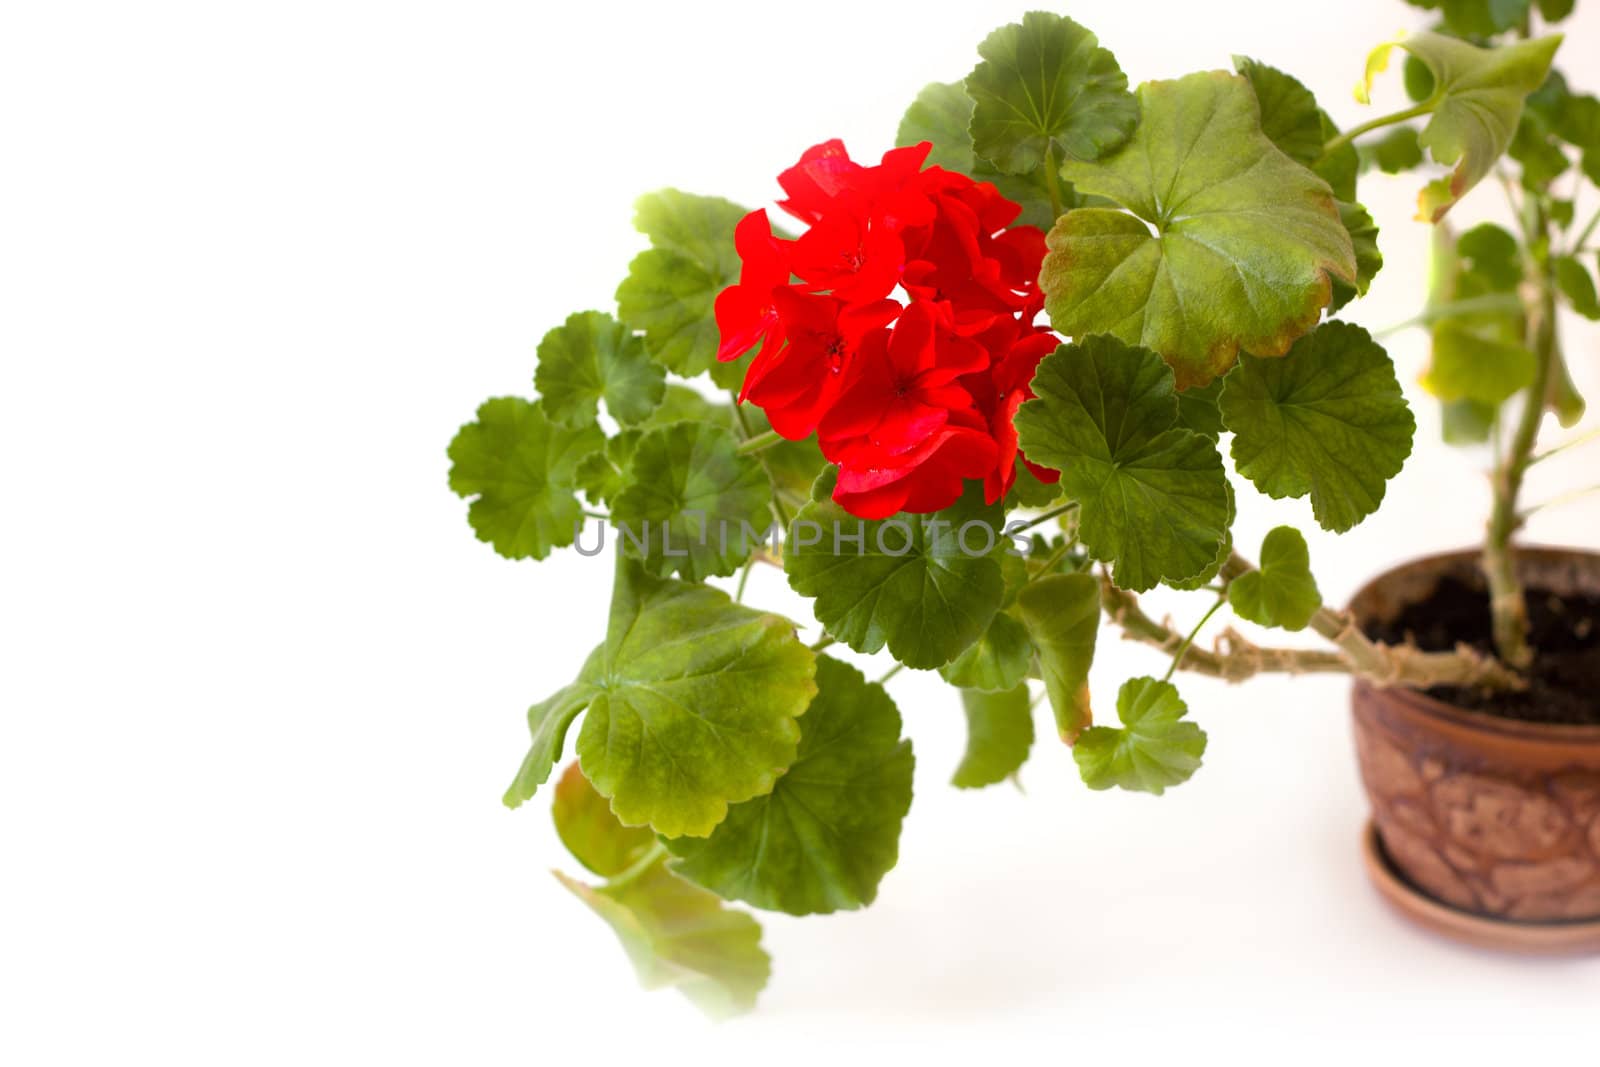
<point>1482,721</point>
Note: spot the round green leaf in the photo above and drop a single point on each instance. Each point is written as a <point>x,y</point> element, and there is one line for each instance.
<point>602,475</point>
<point>829,831</point>
<point>1155,748</point>
<point>1282,592</point>
<point>1329,420</point>
<point>1369,260</point>
<point>671,288</point>
<point>907,582</point>
<point>999,735</point>
<point>693,702</point>
<point>691,504</point>
<point>942,116</point>
<point>1062,615</point>
<point>998,661</point>
<point>1153,496</point>
<point>593,357</point>
<point>1227,242</point>
<point>522,469</point>
<point>1045,83</point>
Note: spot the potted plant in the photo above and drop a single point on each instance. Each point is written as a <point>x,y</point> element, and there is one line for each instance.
<point>974,398</point>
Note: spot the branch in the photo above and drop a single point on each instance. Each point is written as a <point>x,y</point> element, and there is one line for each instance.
<point>1403,665</point>
<point>1233,659</point>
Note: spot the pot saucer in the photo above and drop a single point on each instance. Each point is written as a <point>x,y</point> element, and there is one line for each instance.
<point>1528,938</point>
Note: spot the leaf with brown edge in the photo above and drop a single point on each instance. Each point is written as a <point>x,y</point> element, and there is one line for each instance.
<point>1223,241</point>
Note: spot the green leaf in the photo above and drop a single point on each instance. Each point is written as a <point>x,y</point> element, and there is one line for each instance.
<point>692,701</point>
<point>942,116</point>
<point>1469,366</point>
<point>1289,112</point>
<point>1153,496</point>
<point>1479,94</point>
<point>1573,279</point>
<point>1027,491</point>
<point>829,831</point>
<point>1291,118</point>
<point>522,469</point>
<point>1294,122</point>
<point>1479,18</point>
<point>999,735</point>
<point>679,936</point>
<point>1282,592</point>
<point>671,288</point>
<point>548,722</point>
<point>1565,400</point>
<point>591,833</point>
<point>602,475</point>
<point>1369,260</point>
<point>696,505</point>
<point>998,661</point>
<point>1229,244</point>
<point>909,584</point>
<point>593,357</point>
<point>1466,422</point>
<point>1491,252</point>
<point>1154,750</point>
<point>1542,158</point>
<point>1046,88</point>
<point>1397,150</point>
<point>1198,411</point>
<point>793,465</point>
<point>1556,10</point>
<point>1329,420</point>
<point>1062,615</point>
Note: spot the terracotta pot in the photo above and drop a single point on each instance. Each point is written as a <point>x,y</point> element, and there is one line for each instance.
<point>1493,816</point>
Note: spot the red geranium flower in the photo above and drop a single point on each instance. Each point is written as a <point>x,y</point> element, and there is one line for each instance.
<point>907,411</point>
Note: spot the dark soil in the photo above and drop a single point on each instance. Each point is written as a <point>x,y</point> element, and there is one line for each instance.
<point>1565,678</point>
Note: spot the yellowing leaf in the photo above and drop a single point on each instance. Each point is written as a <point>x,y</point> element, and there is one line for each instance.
<point>1225,242</point>
<point>1478,96</point>
<point>1062,616</point>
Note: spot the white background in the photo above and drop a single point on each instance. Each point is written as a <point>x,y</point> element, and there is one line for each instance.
<point>262,688</point>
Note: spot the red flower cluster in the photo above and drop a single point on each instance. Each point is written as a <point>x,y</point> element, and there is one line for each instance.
<point>898,327</point>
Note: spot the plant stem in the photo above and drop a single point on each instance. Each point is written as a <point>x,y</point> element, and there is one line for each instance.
<point>1050,561</point>
<point>778,510</point>
<point>1240,660</point>
<point>1188,641</point>
<point>758,443</point>
<point>639,866</point>
<point>744,576</point>
<point>1506,601</point>
<point>1424,108</point>
<point>821,643</point>
<point>891,672</point>
<point>1560,499</point>
<point>1071,505</point>
<point>1506,302</point>
<point>1587,231</point>
<point>1052,181</point>
<point>1551,453</point>
<point>1405,665</point>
